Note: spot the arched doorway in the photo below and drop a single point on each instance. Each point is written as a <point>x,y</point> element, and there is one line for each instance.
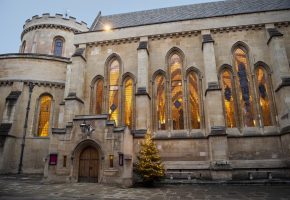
<point>89,165</point>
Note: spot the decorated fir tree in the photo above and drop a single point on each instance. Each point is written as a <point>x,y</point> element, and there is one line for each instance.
<point>149,166</point>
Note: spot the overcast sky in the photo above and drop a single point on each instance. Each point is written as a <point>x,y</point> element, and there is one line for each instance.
<point>13,13</point>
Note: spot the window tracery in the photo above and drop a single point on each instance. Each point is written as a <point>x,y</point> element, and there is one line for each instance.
<point>99,87</point>
<point>128,102</point>
<point>245,94</point>
<point>177,104</point>
<point>229,98</point>
<point>44,115</point>
<point>265,99</point>
<point>160,102</point>
<point>114,76</point>
<point>194,100</point>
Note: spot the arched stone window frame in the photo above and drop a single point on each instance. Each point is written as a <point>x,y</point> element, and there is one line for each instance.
<point>108,62</point>
<point>93,100</point>
<point>273,110</point>
<point>54,45</point>
<point>125,77</point>
<point>170,53</point>
<point>197,72</point>
<point>244,47</point>
<point>23,46</point>
<point>37,117</point>
<point>223,68</point>
<point>155,120</point>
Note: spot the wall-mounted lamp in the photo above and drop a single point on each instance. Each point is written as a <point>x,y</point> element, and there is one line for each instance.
<point>111,159</point>
<point>86,128</point>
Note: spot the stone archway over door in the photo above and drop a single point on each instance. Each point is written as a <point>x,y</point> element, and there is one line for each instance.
<point>89,165</point>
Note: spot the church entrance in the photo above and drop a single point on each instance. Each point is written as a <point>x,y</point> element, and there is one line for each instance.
<point>89,165</point>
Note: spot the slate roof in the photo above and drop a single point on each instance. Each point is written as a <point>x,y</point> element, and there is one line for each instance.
<point>188,12</point>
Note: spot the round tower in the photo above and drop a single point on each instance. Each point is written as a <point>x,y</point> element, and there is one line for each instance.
<point>52,35</point>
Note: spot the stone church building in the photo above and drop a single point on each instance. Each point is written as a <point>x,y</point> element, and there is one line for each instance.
<point>210,82</point>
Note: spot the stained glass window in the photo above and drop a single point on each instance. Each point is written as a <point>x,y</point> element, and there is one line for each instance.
<point>128,103</point>
<point>99,96</point>
<point>114,75</point>
<point>265,96</point>
<point>44,115</point>
<point>176,92</point>
<point>58,45</point>
<point>244,87</point>
<point>229,104</point>
<point>194,100</point>
<point>160,103</point>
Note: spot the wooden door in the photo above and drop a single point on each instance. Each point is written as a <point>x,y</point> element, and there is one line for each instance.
<point>89,165</point>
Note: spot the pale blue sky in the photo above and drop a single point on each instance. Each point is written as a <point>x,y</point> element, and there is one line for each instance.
<point>13,13</point>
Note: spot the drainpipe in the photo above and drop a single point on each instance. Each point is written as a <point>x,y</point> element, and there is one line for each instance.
<point>31,86</point>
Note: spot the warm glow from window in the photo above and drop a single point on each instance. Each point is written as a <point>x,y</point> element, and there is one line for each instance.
<point>244,86</point>
<point>193,99</point>
<point>160,102</point>
<point>114,74</point>
<point>128,102</point>
<point>99,96</point>
<point>176,92</point>
<point>44,115</point>
<point>228,95</point>
<point>264,96</point>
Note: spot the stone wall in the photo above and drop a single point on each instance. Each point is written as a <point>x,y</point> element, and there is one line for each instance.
<point>213,151</point>
<point>33,67</point>
<point>255,148</point>
<point>48,76</point>
<point>41,41</point>
<point>40,31</point>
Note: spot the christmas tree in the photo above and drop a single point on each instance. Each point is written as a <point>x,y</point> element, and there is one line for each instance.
<point>149,166</point>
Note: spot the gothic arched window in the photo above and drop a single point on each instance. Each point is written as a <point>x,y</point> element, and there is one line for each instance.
<point>58,46</point>
<point>44,115</point>
<point>265,99</point>
<point>114,76</point>
<point>160,102</point>
<point>99,87</point>
<point>128,102</point>
<point>244,87</point>
<point>193,100</point>
<point>229,98</point>
<point>176,91</point>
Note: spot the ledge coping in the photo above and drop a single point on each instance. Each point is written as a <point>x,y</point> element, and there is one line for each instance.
<point>35,56</point>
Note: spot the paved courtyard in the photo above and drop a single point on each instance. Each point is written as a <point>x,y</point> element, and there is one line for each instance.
<point>31,187</point>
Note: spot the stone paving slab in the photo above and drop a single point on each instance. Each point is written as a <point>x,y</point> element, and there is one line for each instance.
<point>15,187</point>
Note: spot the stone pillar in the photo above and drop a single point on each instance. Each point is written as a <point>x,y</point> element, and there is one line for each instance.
<point>127,175</point>
<point>143,115</point>
<point>214,117</point>
<point>281,75</point>
<point>8,135</point>
<point>74,92</point>
<point>281,85</point>
<point>143,63</point>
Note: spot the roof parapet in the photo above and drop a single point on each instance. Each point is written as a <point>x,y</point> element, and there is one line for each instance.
<point>58,19</point>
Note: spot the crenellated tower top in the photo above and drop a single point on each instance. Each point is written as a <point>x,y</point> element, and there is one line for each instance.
<point>57,21</point>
